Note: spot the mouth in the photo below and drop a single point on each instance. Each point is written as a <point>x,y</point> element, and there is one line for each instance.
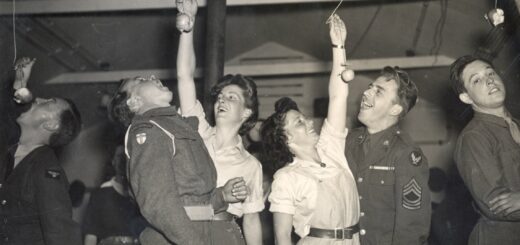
<point>365,105</point>
<point>493,90</point>
<point>221,109</point>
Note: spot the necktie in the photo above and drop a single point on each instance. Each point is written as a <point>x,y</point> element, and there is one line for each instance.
<point>513,128</point>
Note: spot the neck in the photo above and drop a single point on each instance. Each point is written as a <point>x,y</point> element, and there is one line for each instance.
<point>310,154</point>
<point>29,138</point>
<point>373,128</point>
<point>499,111</point>
<point>226,135</point>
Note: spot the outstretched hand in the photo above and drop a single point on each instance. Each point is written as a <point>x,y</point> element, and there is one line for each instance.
<point>23,67</point>
<point>235,190</point>
<point>186,16</point>
<point>338,30</point>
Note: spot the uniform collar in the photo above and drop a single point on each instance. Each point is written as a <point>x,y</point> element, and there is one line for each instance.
<point>381,135</point>
<point>479,116</point>
<point>161,111</point>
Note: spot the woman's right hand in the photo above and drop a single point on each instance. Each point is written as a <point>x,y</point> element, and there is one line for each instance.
<point>337,30</point>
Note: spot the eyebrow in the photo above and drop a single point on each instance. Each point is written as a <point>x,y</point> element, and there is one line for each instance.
<point>380,88</point>
<point>474,74</point>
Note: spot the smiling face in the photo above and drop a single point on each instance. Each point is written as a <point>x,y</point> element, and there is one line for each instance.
<point>230,106</point>
<point>379,103</point>
<point>299,130</point>
<point>484,88</point>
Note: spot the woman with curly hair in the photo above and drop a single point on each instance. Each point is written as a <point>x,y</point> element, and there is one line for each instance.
<point>235,106</point>
<point>314,189</point>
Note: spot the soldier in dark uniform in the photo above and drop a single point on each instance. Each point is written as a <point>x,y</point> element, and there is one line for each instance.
<point>390,170</point>
<point>488,152</point>
<point>170,171</point>
<point>35,207</point>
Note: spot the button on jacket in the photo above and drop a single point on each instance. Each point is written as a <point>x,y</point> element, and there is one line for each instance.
<point>488,160</point>
<point>392,179</point>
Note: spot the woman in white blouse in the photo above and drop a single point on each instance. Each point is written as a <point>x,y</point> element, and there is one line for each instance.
<point>314,189</point>
<point>236,111</point>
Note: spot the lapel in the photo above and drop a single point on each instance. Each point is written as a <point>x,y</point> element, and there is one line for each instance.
<point>21,169</point>
<point>354,150</point>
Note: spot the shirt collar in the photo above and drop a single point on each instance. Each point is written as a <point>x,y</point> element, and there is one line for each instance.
<point>490,119</point>
<point>238,147</point>
<point>161,111</point>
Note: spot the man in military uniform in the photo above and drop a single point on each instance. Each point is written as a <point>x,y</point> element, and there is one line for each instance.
<point>390,170</point>
<point>35,207</point>
<point>170,171</point>
<point>488,152</point>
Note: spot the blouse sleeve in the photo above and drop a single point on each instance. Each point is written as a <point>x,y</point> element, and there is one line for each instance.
<point>282,194</point>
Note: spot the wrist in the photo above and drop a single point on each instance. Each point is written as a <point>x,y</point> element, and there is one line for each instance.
<point>338,46</point>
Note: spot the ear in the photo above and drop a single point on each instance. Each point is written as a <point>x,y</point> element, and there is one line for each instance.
<point>134,103</point>
<point>396,110</point>
<point>51,125</point>
<point>464,97</point>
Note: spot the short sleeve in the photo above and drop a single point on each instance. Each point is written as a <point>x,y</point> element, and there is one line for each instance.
<point>205,130</point>
<point>282,195</point>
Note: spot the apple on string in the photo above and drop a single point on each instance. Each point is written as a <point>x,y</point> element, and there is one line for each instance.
<point>495,16</point>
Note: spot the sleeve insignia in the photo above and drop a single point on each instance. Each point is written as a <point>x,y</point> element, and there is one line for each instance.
<point>141,138</point>
<point>416,158</point>
<point>52,174</point>
<point>412,195</point>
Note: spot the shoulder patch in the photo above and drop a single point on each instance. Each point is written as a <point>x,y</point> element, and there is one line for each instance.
<point>52,174</point>
<point>416,158</point>
<point>412,195</point>
<point>140,138</point>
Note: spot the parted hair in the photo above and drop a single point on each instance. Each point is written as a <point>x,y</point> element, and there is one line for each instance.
<point>70,126</point>
<point>456,69</point>
<point>407,91</point>
<point>274,136</point>
<point>248,87</point>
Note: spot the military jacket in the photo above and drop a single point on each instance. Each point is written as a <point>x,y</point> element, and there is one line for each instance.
<point>172,177</point>
<point>392,181</point>
<point>35,206</point>
<point>488,160</point>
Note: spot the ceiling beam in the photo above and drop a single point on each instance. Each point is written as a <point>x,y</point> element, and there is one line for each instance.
<point>80,6</point>
<point>268,69</point>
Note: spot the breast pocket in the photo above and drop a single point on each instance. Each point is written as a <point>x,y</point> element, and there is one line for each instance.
<point>382,180</point>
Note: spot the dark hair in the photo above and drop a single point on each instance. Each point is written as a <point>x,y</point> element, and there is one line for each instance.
<point>70,125</point>
<point>406,89</point>
<point>274,139</point>
<point>248,87</point>
<point>118,110</point>
<point>456,69</point>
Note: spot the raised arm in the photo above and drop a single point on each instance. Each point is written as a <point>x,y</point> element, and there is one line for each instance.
<point>186,55</point>
<point>338,89</point>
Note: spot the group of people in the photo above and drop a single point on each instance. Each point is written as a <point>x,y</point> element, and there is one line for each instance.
<point>191,179</point>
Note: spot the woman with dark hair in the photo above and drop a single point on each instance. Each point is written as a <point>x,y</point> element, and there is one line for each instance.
<point>314,189</point>
<point>235,106</point>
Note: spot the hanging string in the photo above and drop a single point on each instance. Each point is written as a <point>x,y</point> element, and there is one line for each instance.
<point>14,31</point>
<point>496,3</point>
<point>333,12</point>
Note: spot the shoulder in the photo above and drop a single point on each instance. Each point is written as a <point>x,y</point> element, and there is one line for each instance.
<point>48,167</point>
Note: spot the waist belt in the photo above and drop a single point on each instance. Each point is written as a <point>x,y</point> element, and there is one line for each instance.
<point>119,240</point>
<point>338,233</point>
<point>223,216</point>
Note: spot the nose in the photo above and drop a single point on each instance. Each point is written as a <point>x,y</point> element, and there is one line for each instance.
<point>489,81</point>
<point>367,92</point>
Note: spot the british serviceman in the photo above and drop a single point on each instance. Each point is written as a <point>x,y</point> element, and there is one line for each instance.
<point>390,170</point>
<point>487,153</point>
<point>171,174</point>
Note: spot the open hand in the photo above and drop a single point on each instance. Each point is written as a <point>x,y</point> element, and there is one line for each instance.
<point>23,67</point>
<point>235,190</point>
<point>338,30</point>
<point>506,203</point>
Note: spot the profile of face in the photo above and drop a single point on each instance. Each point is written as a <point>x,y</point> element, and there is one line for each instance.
<point>484,87</point>
<point>43,113</point>
<point>379,101</point>
<point>299,130</point>
<point>230,106</point>
<point>147,92</point>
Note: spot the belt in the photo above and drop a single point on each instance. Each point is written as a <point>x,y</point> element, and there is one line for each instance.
<point>119,240</point>
<point>338,233</point>
<point>223,216</point>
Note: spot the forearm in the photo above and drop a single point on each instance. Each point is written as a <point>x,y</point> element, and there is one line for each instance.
<point>338,91</point>
<point>186,63</point>
<point>217,200</point>
<point>252,229</point>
